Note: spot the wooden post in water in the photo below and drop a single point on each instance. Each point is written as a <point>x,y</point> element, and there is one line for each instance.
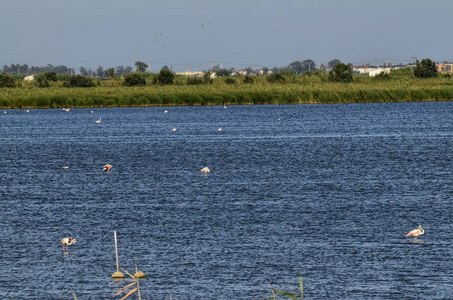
<point>117,274</point>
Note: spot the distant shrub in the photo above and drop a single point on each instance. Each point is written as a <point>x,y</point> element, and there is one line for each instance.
<point>79,81</point>
<point>165,77</point>
<point>230,80</point>
<point>6,81</point>
<point>425,69</point>
<point>134,79</point>
<point>63,77</point>
<point>194,81</point>
<point>207,78</point>
<point>341,73</point>
<point>248,79</point>
<point>382,76</point>
<point>276,78</point>
<point>50,76</point>
<point>41,81</point>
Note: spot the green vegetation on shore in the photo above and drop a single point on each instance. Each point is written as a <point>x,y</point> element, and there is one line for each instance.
<point>310,87</point>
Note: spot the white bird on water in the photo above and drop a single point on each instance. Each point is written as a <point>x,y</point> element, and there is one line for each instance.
<point>174,129</point>
<point>165,111</point>
<point>205,170</point>
<point>99,121</point>
<point>416,232</point>
<point>68,241</point>
<point>220,130</point>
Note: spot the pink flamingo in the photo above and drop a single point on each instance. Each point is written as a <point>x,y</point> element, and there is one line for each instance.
<point>205,170</point>
<point>67,242</point>
<point>416,232</point>
<point>107,168</point>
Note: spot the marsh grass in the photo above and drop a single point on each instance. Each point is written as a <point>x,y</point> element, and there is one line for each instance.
<point>294,90</point>
<point>291,295</point>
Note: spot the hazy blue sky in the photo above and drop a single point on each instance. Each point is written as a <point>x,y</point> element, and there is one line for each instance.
<point>268,33</point>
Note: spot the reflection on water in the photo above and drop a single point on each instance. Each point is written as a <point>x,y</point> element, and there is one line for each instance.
<point>326,191</point>
<point>416,241</point>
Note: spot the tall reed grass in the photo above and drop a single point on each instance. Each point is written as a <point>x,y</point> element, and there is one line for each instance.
<point>295,90</point>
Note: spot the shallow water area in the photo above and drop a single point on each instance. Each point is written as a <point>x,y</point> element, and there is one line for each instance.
<point>325,191</point>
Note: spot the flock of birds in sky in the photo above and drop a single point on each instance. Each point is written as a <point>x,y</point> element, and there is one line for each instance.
<point>160,38</point>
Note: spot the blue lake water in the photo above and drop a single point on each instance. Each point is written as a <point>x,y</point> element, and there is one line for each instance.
<point>325,191</point>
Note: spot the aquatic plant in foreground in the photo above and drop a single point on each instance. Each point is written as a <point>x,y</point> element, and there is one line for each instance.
<point>291,295</point>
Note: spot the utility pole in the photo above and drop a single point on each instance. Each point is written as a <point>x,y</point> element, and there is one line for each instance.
<point>149,67</point>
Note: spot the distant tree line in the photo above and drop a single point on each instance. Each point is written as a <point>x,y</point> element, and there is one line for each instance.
<point>14,69</point>
<point>297,67</point>
<point>25,69</point>
<point>335,69</point>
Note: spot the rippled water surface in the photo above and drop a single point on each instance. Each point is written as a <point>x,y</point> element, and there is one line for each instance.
<point>326,191</point>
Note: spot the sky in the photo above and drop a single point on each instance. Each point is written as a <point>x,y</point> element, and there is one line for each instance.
<point>193,34</point>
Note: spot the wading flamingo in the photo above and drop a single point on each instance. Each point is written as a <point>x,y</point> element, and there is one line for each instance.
<point>205,170</point>
<point>416,232</point>
<point>107,168</point>
<point>67,242</point>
